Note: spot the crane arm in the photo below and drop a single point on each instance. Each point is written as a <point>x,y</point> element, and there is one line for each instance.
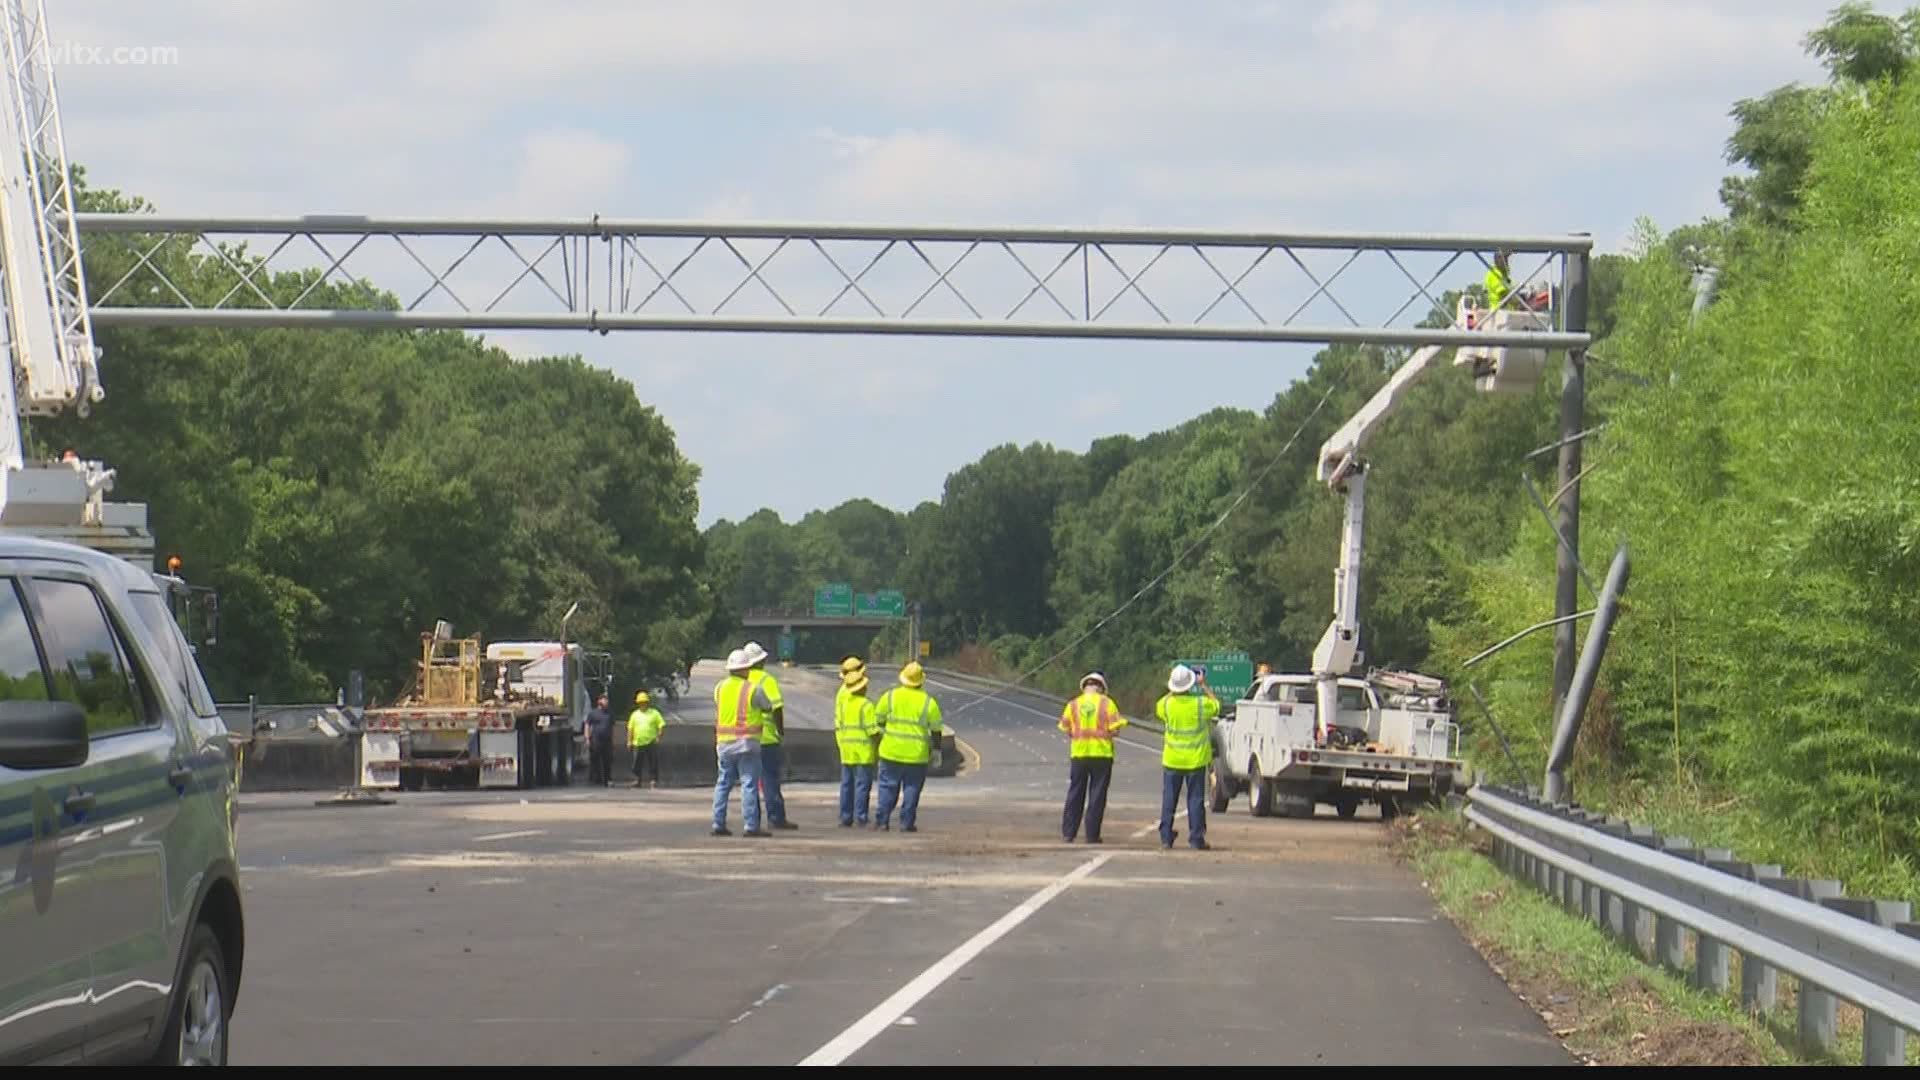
<point>48,337</point>
<point>1342,468</point>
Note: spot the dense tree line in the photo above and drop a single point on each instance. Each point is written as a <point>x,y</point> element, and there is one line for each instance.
<point>1757,459</point>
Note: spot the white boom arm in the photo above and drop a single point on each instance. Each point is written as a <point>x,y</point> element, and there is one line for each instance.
<point>51,361</point>
<point>1342,468</point>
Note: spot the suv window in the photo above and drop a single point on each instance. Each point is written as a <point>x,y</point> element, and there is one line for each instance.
<point>174,652</point>
<point>88,666</point>
<point>21,676</point>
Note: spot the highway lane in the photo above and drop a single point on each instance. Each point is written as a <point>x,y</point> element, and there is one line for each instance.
<point>604,926</point>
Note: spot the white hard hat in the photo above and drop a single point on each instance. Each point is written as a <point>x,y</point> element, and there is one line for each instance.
<point>1182,679</point>
<point>737,660</point>
<point>754,653</point>
<point>1094,677</point>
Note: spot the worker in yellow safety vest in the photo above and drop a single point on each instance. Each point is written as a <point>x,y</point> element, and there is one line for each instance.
<point>909,721</point>
<point>856,730</point>
<point>1186,751</point>
<point>1499,281</point>
<point>644,726</point>
<point>741,710</point>
<point>1089,721</point>
<point>773,751</point>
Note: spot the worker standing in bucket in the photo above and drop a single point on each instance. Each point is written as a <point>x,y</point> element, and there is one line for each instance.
<point>773,751</point>
<point>740,716</point>
<point>1499,280</point>
<point>1186,719</point>
<point>1089,721</point>
<point>855,725</point>
<point>644,726</point>
<point>909,721</point>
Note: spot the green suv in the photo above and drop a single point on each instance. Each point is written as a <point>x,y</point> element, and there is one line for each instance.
<point>120,917</point>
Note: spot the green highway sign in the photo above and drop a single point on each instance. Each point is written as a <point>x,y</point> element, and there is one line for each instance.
<point>1228,674</point>
<point>885,604</point>
<point>833,601</point>
<point>786,646</point>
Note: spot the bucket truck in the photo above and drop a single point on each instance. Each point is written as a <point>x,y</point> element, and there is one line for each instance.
<point>1297,740</point>
<point>51,359</point>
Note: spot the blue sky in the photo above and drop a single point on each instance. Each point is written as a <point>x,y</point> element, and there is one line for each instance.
<point>1376,116</point>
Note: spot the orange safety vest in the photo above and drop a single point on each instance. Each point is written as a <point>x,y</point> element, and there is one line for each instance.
<point>1090,721</point>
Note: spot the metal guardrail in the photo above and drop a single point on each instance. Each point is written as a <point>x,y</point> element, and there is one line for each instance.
<point>1654,891</point>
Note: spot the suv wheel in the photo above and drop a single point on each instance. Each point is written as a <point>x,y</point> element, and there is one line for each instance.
<point>197,1022</point>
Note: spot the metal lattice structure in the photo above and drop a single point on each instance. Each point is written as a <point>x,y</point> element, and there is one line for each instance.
<point>48,330</point>
<point>606,275</point>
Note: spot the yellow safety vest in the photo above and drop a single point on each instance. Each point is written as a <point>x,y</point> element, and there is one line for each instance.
<point>643,727</point>
<point>1187,743</point>
<point>854,726</point>
<point>1090,721</point>
<point>735,715</point>
<point>765,681</point>
<point>911,721</point>
<point>1496,287</point>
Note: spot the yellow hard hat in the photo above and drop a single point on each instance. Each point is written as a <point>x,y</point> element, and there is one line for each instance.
<point>857,683</point>
<point>913,675</point>
<point>641,698</point>
<point>852,664</point>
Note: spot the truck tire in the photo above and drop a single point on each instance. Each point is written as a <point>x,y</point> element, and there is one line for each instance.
<point>1294,800</point>
<point>1219,787</point>
<point>1259,791</point>
<point>1389,808</point>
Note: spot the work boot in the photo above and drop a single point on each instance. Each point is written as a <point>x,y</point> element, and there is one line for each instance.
<point>786,825</point>
<point>1203,846</point>
<point>722,830</point>
<point>757,833</point>
<point>909,828</point>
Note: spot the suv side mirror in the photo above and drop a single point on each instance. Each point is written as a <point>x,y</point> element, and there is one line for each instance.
<point>42,734</point>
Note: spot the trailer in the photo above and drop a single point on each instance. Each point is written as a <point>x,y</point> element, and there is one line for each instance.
<point>1393,743</point>
<point>509,720</point>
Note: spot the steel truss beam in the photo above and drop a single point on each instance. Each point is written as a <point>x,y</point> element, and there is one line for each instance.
<point>608,275</point>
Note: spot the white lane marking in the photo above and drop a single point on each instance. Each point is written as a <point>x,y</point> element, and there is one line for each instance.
<point>764,998</point>
<point>849,1042</point>
<point>832,899</point>
<point>1145,829</point>
<point>509,835</point>
<point>1381,919</point>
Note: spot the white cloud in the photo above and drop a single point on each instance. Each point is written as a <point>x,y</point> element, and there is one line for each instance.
<point>885,175</point>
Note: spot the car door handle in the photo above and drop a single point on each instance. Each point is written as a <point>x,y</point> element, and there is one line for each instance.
<point>180,775</point>
<point>80,802</point>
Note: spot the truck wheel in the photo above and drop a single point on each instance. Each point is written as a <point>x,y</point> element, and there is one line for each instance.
<point>1219,790</point>
<point>1259,791</point>
<point>1389,808</point>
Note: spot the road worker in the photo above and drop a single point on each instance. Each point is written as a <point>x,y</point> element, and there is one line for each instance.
<point>1499,280</point>
<point>773,751</point>
<point>855,727</point>
<point>741,711</point>
<point>600,743</point>
<point>644,726</point>
<point>1186,751</point>
<point>1089,721</point>
<point>909,720</point>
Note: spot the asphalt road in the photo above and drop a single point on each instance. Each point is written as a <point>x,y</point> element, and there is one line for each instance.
<point>606,927</point>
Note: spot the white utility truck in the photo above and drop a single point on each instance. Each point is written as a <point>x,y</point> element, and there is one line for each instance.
<point>1393,742</point>
<point>1393,737</point>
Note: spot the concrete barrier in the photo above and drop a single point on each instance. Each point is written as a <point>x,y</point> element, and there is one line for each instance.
<point>310,763</point>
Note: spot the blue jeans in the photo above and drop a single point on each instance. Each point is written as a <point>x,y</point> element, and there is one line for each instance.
<point>1196,781</point>
<point>856,793</point>
<point>742,768</point>
<point>772,757</point>
<point>897,780</point>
